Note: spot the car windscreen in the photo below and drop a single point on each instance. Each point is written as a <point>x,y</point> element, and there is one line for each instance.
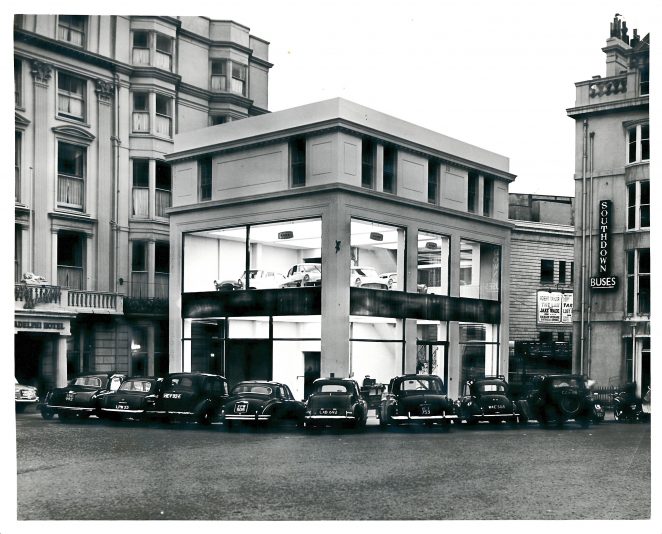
<point>564,382</point>
<point>491,388</point>
<point>366,272</point>
<point>136,385</point>
<point>420,384</point>
<point>259,389</point>
<point>90,381</point>
<point>332,388</point>
<point>310,267</point>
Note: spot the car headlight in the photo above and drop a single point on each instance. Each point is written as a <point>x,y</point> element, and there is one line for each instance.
<point>598,407</point>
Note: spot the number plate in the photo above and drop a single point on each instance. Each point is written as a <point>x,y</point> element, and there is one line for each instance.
<point>241,408</point>
<point>425,410</point>
<point>70,396</point>
<point>328,411</point>
<point>121,407</point>
<point>172,395</point>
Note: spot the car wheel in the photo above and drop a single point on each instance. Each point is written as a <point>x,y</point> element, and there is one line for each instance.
<point>205,417</point>
<point>47,414</point>
<point>617,414</point>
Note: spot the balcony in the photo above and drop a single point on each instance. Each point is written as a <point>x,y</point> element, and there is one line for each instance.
<point>57,298</point>
<point>145,298</point>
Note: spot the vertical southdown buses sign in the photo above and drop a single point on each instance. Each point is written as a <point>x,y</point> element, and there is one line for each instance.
<point>604,280</point>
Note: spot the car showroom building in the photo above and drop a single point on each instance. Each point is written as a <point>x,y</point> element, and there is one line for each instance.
<point>373,247</point>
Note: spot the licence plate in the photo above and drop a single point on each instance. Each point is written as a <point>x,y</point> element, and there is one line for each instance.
<point>121,407</point>
<point>241,408</point>
<point>425,410</point>
<point>328,411</point>
<point>70,396</point>
<point>172,395</point>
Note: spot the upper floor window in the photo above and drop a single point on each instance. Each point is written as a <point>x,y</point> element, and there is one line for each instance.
<point>70,96</point>
<point>639,200</point>
<point>148,109</point>
<point>152,48</point>
<point>433,182</point>
<point>643,81</point>
<point>163,188</point>
<point>488,195</point>
<point>18,83</point>
<point>389,179</point>
<point>547,271</point>
<point>298,158</point>
<point>141,112</point>
<point>638,280</point>
<point>163,115</point>
<point>218,75</point>
<point>204,177</point>
<point>17,166</point>
<point>70,260</point>
<point>71,176</point>
<point>217,119</point>
<point>638,143</point>
<point>472,192</point>
<point>238,79</point>
<point>71,28</point>
<point>367,164</point>
<point>140,193</point>
<point>562,268</point>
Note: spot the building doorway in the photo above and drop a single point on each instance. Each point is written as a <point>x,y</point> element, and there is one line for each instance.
<point>311,366</point>
<point>248,359</point>
<point>432,359</point>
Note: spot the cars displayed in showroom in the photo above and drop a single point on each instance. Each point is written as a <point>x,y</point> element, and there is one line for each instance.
<point>257,279</point>
<point>258,401</point>
<point>556,399</point>
<point>80,397</point>
<point>302,275</point>
<point>392,282</point>
<point>335,401</point>
<point>489,399</point>
<point>416,398</point>
<point>191,397</point>
<point>135,398</point>
<point>24,396</point>
<point>366,277</point>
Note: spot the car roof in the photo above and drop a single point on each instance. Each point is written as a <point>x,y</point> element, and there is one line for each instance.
<point>415,376</point>
<point>268,382</point>
<point>334,380</point>
<point>184,373</point>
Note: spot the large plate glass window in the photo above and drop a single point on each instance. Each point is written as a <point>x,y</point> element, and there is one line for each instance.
<point>480,270</point>
<point>431,348</point>
<point>376,348</point>
<point>433,256</point>
<point>377,255</point>
<point>479,351</point>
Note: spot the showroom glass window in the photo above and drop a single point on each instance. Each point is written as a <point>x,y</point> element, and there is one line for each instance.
<point>433,263</point>
<point>377,256</point>
<point>375,347</point>
<point>638,197</point>
<point>432,348</point>
<point>479,350</point>
<point>480,270</point>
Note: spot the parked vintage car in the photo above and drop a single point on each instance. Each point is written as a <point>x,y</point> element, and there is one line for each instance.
<point>392,281</point>
<point>367,277</point>
<point>489,399</point>
<point>560,398</point>
<point>335,401</point>
<point>646,406</point>
<point>257,279</point>
<point>257,401</point>
<point>79,398</point>
<point>416,398</point>
<point>195,397</point>
<point>135,398</point>
<point>303,274</point>
<point>25,396</point>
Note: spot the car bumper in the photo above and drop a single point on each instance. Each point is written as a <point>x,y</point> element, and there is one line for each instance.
<point>247,417</point>
<point>73,409</point>
<point>115,410</point>
<point>409,417</point>
<point>330,418</point>
<point>27,401</point>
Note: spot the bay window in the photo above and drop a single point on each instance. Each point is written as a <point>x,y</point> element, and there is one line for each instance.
<point>141,112</point>
<point>238,79</point>
<point>638,199</point>
<point>152,109</point>
<point>163,188</point>
<point>163,115</point>
<point>152,49</point>
<point>218,75</point>
<point>161,269</point>
<point>140,204</point>
<point>163,54</point>
<point>638,143</point>
<point>140,53</point>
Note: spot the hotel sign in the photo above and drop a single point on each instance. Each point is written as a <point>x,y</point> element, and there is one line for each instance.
<point>604,280</point>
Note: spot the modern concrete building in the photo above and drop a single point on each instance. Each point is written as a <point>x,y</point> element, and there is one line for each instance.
<point>98,100</point>
<point>374,247</point>
<point>541,285</point>
<point>612,223</point>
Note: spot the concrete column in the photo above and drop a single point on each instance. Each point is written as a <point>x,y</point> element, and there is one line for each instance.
<point>43,171</point>
<point>454,360</point>
<point>53,272</point>
<point>61,362</point>
<point>150,349</point>
<point>410,238</point>
<point>454,289</point>
<point>335,290</point>
<point>104,184</point>
<point>151,260</point>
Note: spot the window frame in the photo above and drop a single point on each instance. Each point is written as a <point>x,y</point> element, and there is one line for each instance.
<point>473,185</point>
<point>637,144</point>
<point>636,209</point>
<point>69,94</point>
<point>18,157</point>
<point>389,170</point>
<point>636,300</point>
<point>18,83</point>
<point>69,27</point>
<point>82,178</point>
<point>205,178</point>
<point>545,271</point>
<point>434,171</point>
<point>298,162</point>
<point>367,164</point>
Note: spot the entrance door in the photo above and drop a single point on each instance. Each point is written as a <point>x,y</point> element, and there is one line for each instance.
<point>432,359</point>
<point>28,352</point>
<point>311,366</point>
<point>248,359</point>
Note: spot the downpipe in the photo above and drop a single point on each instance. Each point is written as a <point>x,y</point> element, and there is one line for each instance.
<point>590,249</point>
<point>583,266</point>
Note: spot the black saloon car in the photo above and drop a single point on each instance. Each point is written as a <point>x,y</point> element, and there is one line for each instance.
<point>560,398</point>
<point>416,398</point>
<point>196,397</point>
<point>79,398</point>
<point>335,401</point>
<point>135,397</point>
<point>489,399</point>
<point>258,401</point>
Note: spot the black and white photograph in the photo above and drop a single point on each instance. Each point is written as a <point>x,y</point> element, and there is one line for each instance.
<point>330,265</point>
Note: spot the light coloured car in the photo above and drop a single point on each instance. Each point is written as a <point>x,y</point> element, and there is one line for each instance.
<point>25,396</point>
<point>392,281</point>
<point>257,279</point>
<point>303,274</point>
<point>367,277</point>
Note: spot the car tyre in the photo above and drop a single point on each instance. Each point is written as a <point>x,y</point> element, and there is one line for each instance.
<point>205,416</point>
<point>47,414</point>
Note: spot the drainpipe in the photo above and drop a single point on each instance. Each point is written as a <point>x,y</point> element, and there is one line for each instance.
<point>116,186</point>
<point>590,247</point>
<point>583,266</point>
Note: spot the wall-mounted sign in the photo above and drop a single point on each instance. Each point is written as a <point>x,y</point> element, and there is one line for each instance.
<point>286,235</point>
<point>604,280</point>
<point>554,307</point>
<point>376,236</point>
<point>45,327</point>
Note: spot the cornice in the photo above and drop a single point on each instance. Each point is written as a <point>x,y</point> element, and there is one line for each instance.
<point>20,120</point>
<point>628,104</point>
<point>82,219</point>
<point>74,132</point>
<point>159,74</point>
